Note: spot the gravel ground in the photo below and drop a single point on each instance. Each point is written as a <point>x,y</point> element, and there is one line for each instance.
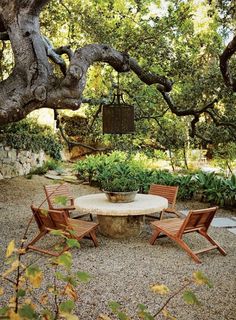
<point>123,270</point>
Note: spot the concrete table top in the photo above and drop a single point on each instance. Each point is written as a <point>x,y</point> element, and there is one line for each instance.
<point>142,205</point>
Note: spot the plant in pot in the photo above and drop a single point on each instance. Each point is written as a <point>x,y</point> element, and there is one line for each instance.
<point>119,182</point>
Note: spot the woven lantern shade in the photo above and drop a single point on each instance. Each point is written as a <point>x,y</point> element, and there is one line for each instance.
<point>118,118</point>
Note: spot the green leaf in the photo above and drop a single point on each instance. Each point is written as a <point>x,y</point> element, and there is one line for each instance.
<point>200,279</point>
<point>21,293</point>
<point>35,275</point>
<point>72,232</point>
<point>114,305</point>
<point>58,233</point>
<point>59,275</point>
<point>32,270</point>
<point>83,276</point>
<point>190,298</point>
<point>73,243</point>
<point>26,311</point>
<point>47,314</point>
<point>143,313</point>
<point>65,259</point>
<point>61,200</point>
<point>122,316</point>
<point>67,306</point>
<point>142,307</point>
<point>44,212</point>
<point>3,311</point>
<point>72,280</point>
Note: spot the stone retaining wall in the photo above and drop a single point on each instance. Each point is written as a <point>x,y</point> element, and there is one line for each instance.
<point>15,162</point>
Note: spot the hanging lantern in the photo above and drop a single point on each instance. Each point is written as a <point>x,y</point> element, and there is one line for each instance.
<point>118,117</point>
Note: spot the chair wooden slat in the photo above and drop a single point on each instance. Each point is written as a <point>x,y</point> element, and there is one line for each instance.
<point>196,221</point>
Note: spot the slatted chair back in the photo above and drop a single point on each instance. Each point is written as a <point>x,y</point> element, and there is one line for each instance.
<point>56,191</point>
<point>49,220</point>
<point>42,218</point>
<point>197,220</point>
<point>168,192</point>
<point>60,219</point>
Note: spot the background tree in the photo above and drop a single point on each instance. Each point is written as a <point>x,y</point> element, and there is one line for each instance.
<point>182,41</point>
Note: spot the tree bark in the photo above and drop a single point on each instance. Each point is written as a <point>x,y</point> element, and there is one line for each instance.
<point>33,83</point>
<point>229,78</point>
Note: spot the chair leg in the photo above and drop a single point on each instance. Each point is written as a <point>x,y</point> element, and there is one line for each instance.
<point>187,249</point>
<point>212,241</point>
<point>154,236</point>
<point>91,217</point>
<point>31,246</point>
<point>94,238</point>
<point>39,236</point>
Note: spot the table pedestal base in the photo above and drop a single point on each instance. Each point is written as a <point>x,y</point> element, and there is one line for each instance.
<point>121,226</point>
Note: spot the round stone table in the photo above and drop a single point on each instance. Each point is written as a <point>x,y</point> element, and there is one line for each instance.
<point>120,220</point>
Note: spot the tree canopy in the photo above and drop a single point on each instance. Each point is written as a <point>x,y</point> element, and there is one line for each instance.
<point>182,55</point>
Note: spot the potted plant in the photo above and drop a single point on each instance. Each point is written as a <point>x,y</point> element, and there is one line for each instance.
<point>119,182</point>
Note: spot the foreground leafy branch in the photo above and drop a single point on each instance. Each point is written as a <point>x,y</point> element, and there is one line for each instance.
<point>188,296</point>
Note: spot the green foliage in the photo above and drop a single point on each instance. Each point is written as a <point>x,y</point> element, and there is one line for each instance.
<point>120,171</point>
<point>27,312</point>
<point>143,313</point>
<point>190,298</point>
<point>119,177</point>
<point>61,200</point>
<point>201,279</point>
<point>83,276</point>
<point>26,279</point>
<point>29,135</point>
<point>116,309</point>
<point>65,260</point>
<point>225,155</point>
<point>187,186</point>
<point>183,40</point>
<point>48,165</point>
<point>67,306</point>
<point>53,164</point>
<point>216,189</point>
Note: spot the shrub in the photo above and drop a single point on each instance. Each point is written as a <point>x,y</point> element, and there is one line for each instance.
<point>29,135</point>
<point>123,171</point>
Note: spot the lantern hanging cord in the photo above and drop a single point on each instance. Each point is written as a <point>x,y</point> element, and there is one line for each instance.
<point>118,88</point>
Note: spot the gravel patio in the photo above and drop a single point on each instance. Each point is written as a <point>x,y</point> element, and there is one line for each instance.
<point>123,270</point>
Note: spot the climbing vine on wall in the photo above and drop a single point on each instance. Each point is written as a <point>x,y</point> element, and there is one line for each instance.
<point>29,135</point>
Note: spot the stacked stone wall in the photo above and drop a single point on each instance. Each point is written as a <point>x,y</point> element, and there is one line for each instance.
<point>15,162</point>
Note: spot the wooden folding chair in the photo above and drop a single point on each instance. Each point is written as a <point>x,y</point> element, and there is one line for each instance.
<point>49,220</point>
<point>196,221</point>
<point>168,192</point>
<point>56,193</point>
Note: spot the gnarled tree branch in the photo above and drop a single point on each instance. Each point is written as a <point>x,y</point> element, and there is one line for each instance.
<point>229,79</point>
